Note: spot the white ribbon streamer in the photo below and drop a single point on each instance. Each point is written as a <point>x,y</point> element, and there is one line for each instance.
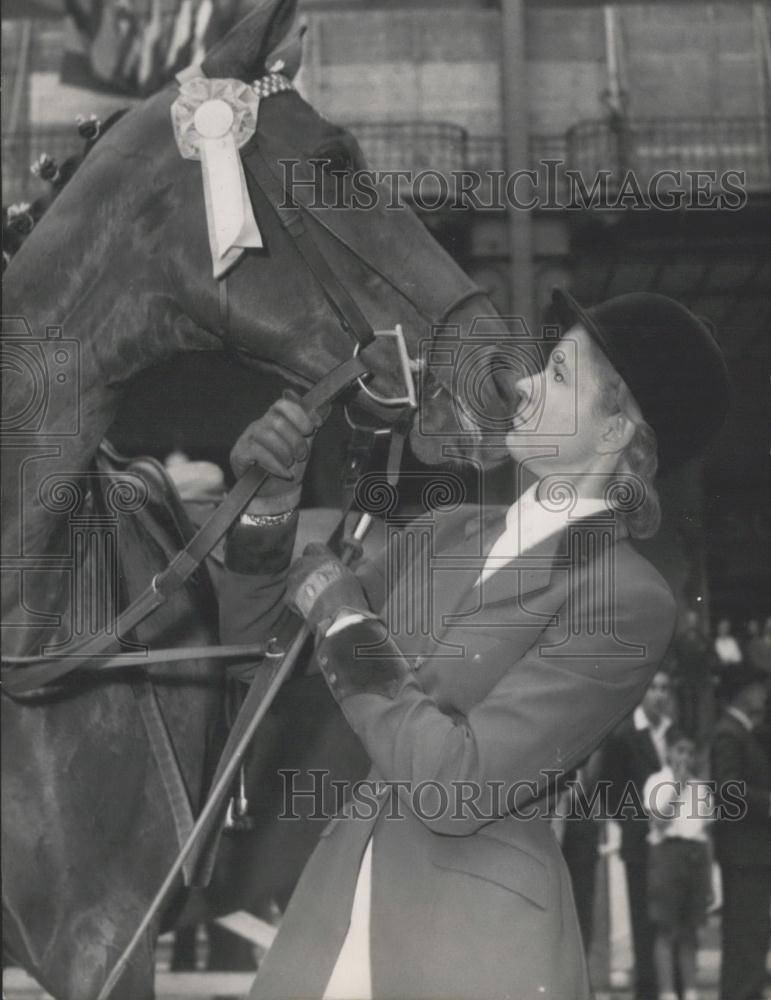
<point>212,119</point>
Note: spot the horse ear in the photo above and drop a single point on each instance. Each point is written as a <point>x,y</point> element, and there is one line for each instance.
<point>289,55</point>
<point>242,53</point>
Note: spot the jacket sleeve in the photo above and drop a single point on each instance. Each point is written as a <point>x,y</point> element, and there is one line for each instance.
<point>546,714</point>
<point>257,561</point>
<point>728,766</point>
<point>252,608</point>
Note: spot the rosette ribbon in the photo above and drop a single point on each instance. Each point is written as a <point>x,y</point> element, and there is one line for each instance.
<point>212,120</point>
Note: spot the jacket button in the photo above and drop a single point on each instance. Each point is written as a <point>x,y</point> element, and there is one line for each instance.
<point>333,678</point>
<point>477,657</point>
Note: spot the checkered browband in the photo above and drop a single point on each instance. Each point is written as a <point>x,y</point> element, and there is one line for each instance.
<point>271,84</point>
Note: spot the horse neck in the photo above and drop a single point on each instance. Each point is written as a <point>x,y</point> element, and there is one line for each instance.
<point>109,333</point>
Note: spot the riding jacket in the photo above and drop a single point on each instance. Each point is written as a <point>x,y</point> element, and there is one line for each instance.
<point>471,699</point>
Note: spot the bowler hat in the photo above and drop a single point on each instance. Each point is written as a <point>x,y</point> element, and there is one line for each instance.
<point>668,358</point>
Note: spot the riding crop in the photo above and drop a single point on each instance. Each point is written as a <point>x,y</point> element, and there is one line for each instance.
<point>261,696</point>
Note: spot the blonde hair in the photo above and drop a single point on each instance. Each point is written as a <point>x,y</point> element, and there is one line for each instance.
<point>638,462</point>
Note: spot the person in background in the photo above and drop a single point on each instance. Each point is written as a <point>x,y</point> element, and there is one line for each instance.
<point>680,863</point>
<point>633,752</point>
<point>751,631</point>
<point>758,655</point>
<point>580,843</point>
<point>692,674</point>
<point>741,771</point>
<point>201,485</point>
<point>727,649</point>
<point>758,652</point>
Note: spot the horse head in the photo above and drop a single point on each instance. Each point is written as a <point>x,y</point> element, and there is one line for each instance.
<point>121,264</point>
<point>136,269</point>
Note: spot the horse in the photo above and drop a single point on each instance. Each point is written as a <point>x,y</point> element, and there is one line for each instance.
<point>114,280</point>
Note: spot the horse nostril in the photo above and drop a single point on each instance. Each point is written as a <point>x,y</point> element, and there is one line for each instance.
<point>519,399</point>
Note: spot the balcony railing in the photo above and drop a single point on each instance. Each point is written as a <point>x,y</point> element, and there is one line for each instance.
<point>643,146</point>
<point>442,146</point>
<point>649,146</point>
<point>413,145</point>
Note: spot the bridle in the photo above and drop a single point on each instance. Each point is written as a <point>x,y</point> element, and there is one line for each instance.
<point>272,194</point>
<point>267,188</point>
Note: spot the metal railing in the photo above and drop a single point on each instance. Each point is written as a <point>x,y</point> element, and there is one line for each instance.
<point>442,146</point>
<point>412,145</point>
<point>651,145</point>
<point>644,146</point>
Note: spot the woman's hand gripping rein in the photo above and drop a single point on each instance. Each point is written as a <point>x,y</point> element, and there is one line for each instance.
<point>280,441</point>
<point>322,590</point>
<point>331,600</point>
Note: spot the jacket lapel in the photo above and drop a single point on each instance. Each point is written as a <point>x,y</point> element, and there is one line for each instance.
<point>530,571</point>
<point>534,568</point>
<point>457,565</point>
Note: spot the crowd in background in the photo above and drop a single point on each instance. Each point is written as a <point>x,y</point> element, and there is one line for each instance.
<point>702,724</point>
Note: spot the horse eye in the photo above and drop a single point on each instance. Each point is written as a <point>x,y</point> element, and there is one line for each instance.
<point>340,162</point>
<point>336,160</point>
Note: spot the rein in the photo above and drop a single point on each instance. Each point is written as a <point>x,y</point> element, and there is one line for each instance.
<point>44,670</point>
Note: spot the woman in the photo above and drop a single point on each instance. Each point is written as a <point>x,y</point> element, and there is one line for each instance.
<point>452,884</point>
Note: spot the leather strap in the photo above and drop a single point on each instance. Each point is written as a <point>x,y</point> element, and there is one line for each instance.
<point>105,662</point>
<point>168,766</point>
<point>185,562</point>
<point>265,188</point>
<point>359,453</point>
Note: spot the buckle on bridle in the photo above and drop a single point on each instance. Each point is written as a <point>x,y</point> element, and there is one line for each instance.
<point>408,367</point>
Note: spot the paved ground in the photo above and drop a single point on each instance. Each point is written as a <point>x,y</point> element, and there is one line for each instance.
<point>229,986</point>
<point>225,986</point>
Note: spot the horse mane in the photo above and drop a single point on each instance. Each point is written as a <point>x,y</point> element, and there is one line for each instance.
<point>19,220</point>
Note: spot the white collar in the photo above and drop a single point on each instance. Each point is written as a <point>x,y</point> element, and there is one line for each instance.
<point>529,499</point>
<point>641,721</point>
<point>741,717</point>
<point>544,521</point>
<point>529,522</point>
